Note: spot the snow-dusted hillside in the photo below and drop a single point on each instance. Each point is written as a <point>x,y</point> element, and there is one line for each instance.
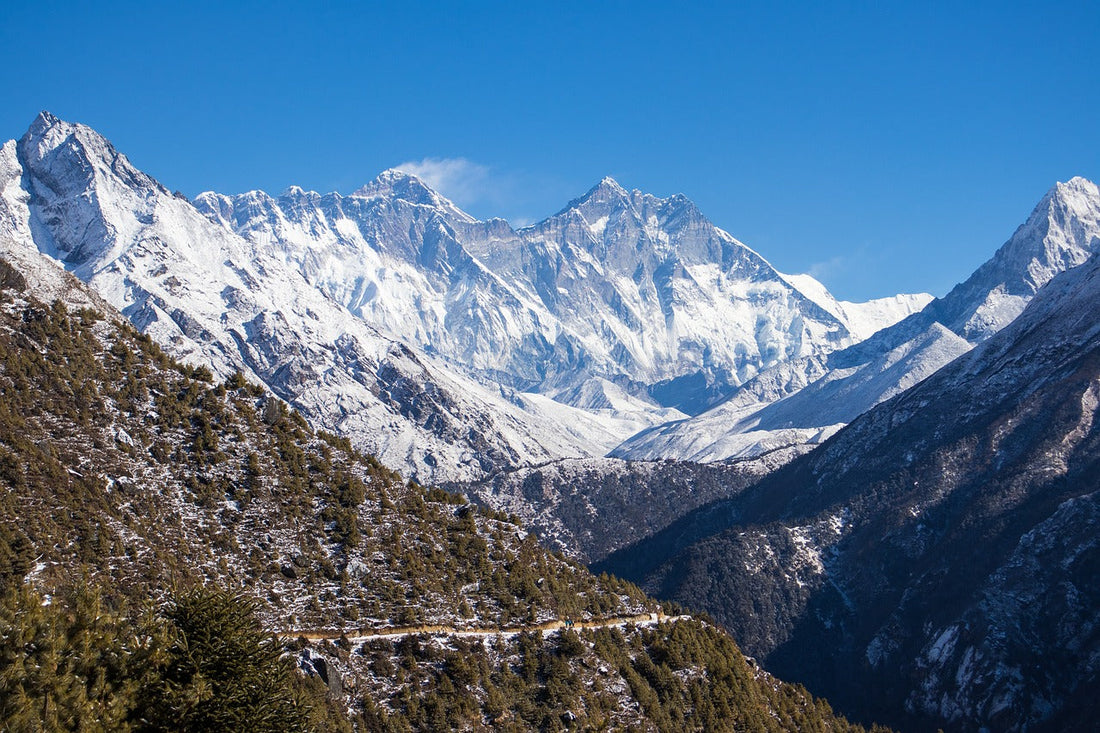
<point>590,507</point>
<point>807,400</point>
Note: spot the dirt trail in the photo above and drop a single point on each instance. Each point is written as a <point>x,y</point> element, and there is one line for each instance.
<point>644,619</point>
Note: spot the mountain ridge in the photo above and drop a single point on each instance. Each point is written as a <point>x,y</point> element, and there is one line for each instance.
<point>1061,232</point>
<point>531,277</point>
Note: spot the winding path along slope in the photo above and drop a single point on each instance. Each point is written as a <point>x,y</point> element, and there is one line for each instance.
<point>356,635</point>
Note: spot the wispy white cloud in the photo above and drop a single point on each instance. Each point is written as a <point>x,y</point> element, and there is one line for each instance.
<point>461,180</point>
<point>827,269</point>
<point>485,191</point>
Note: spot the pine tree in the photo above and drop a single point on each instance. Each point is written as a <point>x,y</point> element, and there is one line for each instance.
<point>72,664</point>
<point>223,672</point>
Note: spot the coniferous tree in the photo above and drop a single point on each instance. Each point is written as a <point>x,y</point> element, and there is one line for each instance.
<point>223,672</point>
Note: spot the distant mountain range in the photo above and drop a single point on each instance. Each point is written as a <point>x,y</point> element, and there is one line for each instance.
<point>618,287</point>
<point>450,347</point>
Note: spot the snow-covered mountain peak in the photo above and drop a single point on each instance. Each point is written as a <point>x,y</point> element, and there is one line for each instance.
<point>609,198</point>
<point>1078,185</point>
<point>627,230</point>
<point>393,184</point>
<point>1061,233</point>
<point>48,126</point>
<point>296,192</point>
<point>601,200</point>
<point>1075,205</point>
<point>48,132</point>
<point>68,165</point>
<point>86,157</point>
<point>608,187</point>
<point>1075,199</point>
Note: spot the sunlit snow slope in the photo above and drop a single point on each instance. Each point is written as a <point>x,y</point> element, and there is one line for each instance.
<point>620,297</point>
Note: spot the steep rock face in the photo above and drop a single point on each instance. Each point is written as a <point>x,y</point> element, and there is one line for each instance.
<point>212,297</point>
<point>618,287</point>
<point>938,555</point>
<point>807,400</point>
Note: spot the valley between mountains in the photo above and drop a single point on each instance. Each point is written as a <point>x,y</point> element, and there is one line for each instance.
<point>367,415</point>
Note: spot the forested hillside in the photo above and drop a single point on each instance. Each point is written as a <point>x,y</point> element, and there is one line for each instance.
<point>149,509</point>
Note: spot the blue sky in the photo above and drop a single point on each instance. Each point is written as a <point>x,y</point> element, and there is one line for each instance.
<point>883,147</point>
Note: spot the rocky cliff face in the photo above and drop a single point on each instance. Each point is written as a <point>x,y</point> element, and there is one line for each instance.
<point>938,555</point>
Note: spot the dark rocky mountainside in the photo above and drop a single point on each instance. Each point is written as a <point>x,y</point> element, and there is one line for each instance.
<point>126,471</point>
<point>939,555</point>
<point>589,507</point>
